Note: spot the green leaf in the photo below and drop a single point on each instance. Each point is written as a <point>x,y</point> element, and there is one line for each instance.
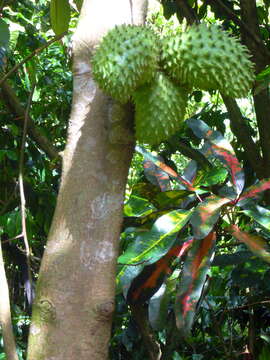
<point>151,245</point>
<point>170,198</point>
<point>258,213</point>
<point>4,34</point>
<point>263,74</point>
<point>213,176</point>
<point>137,206</point>
<point>60,15</point>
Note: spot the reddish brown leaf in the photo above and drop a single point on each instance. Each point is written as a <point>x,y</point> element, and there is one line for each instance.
<point>255,243</point>
<point>151,278</point>
<point>254,190</point>
<point>156,176</point>
<point>192,281</point>
<point>206,215</point>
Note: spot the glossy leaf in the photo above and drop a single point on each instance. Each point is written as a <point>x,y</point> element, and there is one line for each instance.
<point>213,176</point>
<point>152,276</point>
<point>255,243</point>
<point>170,198</point>
<point>151,245</point>
<point>259,214</point>
<point>232,163</point>
<point>137,206</point>
<point>145,190</point>
<point>222,149</point>
<point>190,171</point>
<point>156,176</point>
<point>173,174</point>
<point>192,281</point>
<point>158,308</point>
<point>206,215</point>
<point>59,15</point>
<point>254,190</point>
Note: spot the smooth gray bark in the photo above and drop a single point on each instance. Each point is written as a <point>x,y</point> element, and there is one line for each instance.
<point>75,294</point>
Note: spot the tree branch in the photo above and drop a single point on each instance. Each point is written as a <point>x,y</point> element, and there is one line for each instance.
<point>188,12</point>
<point>249,17</point>
<point>152,346</point>
<point>242,132</point>
<point>262,109</point>
<point>12,102</point>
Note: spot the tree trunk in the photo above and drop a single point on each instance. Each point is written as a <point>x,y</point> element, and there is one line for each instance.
<point>75,292</point>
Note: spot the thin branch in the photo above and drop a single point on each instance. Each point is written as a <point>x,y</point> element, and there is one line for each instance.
<point>5,314</point>
<point>22,195</point>
<point>34,53</point>
<point>247,305</point>
<point>13,103</point>
<point>13,238</point>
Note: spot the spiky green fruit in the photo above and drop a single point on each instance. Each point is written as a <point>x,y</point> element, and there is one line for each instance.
<point>126,58</point>
<point>209,59</point>
<point>159,110</point>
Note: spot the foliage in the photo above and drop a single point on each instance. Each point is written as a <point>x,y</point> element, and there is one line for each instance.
<point>195,232</point>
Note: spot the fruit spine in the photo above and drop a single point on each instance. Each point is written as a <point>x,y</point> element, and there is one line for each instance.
<point>126,58</point>
<point>160,109</point>
<point>208,58</point>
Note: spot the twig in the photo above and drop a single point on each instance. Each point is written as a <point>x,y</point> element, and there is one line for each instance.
<point>247,305</point>
<point>34,53</point>
<point>13,238</point>
<point>22,196</point>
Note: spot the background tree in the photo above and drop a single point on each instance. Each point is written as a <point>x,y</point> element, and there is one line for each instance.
<point>83,240</point>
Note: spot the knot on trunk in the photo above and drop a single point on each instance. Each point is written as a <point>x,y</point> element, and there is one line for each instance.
<point>105,310</point>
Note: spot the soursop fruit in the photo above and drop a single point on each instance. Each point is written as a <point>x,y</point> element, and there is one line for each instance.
<point>209,59</point>
<point>126,58</point>
<point>159,109</point>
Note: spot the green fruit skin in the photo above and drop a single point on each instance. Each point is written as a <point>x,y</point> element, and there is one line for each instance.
<point>160,109</point>
<point>126,58</point>
<point>207,58</point>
